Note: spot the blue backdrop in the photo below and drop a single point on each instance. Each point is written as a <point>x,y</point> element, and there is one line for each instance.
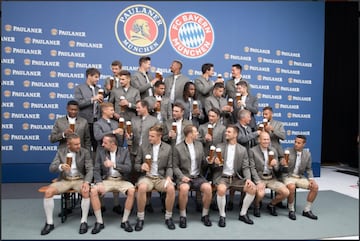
<point>47,46</point>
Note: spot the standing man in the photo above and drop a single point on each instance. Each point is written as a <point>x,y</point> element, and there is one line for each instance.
<point>299,163</point>
<point>230,86</point>
<point>112,164</point>
<point>125,97</point>
<point>76,175</point>
<point>175,82</point>
<point>189,163</point>
<point>158,175</point>
<point>160,106</point>
<point>174,134</point>
<point>62,128</point>
<point>275,129</point>
<point>232,171</point>
<point>89,99</point>
<point>142,79</point>
<point>113,82</point>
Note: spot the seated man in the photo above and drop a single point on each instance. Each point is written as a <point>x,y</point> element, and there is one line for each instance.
<point>296,163</point>
<point>112,163</point>
<point>189,164</point>
<point>266,166</point>
<point>75,174</point>
<point>231,169</point>
<point>155,159</point>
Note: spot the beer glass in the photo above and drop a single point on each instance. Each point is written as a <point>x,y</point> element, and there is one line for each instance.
<point>219,156</point>
<point>128,127</point>
<point>148,160</point>
<point>174,126</point>
<point>265,122</point>
<point>111,83</point>
<point>238,97</point>
<point>69,158</point>
<point>121,122</point>
<point>230,102</point>
<point>101,92</point>
<point>211,152</point>
<point>261,127</point>
<point>286,156</point>
<point>210,129</point>
<point>270,157</point>
<point>195,105</point>
<point>72,124</point>
<point>158,74</point>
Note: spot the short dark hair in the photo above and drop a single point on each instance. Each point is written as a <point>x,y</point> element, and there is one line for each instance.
<point>188,129</point>
<point>92,71</point>
<point>268,108</point>
<point>125,72</point>
<point>238,66</point>
<point>116,63</point>
<point>205,67</point>
<point>144,59</point>
<point>73,102</point>
<point>301,137</point>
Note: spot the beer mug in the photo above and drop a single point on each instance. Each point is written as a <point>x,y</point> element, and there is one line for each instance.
<point>101,92</point>
<point>270,157</point>
<point>158,74</point>
<point>261,127</point>
<point>122,108</point>
<point>219,77</point>
<point>265,122</point>
<point>219,156</point>
<point>148,160</point>
<point>238,97</point>
<point>69,157</point>
<point>128,127</point>
<point>286,156</point>
<point>210,129</point>
<point>195,105</point>
<point>230,102</point>
<point>121,123</point>
<point>174,127</point>
<point>111,83</point>
<point>158,100</point>
<point>211,152</point>
<point>72,124</point>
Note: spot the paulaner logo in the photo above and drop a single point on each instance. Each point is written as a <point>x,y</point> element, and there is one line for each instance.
<point>191,35</point>
<point>140,30</point>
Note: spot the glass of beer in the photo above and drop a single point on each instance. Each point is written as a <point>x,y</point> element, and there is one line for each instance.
<point>230,102</point>
<point>238,97</point>
<point>121,122</point>
<point>210,129</point>
<point>148,160</point>
<point>101,92</point>
<point>122,108</point>
<point>158,107</point>
<point>159,75</point>
<point>69,157</point>
<point>265,122</point>
<point>72,124</point>
<point>219,156</point>
<point>195,105</point>
<point>286,157</point>
<point>211,152</point>
<point>111,83</point>
<point>270,157</point>
<point>174,127</point>
<point>128,127</point>
<point>261,127</point>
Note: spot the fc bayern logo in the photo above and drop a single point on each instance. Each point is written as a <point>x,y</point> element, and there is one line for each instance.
<point>191,35</point>
<point>140,30</point>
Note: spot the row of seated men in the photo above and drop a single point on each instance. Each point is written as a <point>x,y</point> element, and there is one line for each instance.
<point>156,158</point>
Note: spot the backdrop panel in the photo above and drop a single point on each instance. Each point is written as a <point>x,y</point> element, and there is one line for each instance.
<point>47,46</point>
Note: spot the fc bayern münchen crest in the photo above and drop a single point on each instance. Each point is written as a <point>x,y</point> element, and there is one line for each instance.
<point>191,35</point>
<point>140,30</point>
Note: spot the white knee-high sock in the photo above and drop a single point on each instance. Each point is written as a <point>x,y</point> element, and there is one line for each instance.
<point>246,203</point>
<point>221,202</point>
<point>85,206</point>
<point>49,209</point>
<point>126,215</point>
